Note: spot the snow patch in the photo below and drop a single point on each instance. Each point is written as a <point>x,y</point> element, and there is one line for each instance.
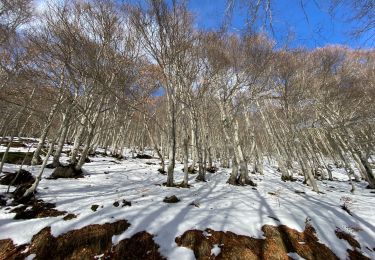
<point>215,250</point>
<point>295,256</point>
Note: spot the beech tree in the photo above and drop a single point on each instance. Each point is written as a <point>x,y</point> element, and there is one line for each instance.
<point>102,74</point>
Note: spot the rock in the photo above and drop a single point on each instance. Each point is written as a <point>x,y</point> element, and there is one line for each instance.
<point>67,171</point>
<point>126,203</point>
<point>94,207</point>
<point>162,171</point>
<point>171,199</point>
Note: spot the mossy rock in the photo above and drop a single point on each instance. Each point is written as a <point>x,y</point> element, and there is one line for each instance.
<point>18,157</point>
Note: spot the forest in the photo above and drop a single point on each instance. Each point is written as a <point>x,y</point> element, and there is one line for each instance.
<point>108,101</point>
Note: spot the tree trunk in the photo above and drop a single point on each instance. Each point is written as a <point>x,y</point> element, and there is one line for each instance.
<point>77,141</point>
<point>186,161</point>
<point>45,130</point>
<point>61,141</point>
<point>33,187</point>
<point>156,148</point>
<point>6,154</point>
<point>171,143</point>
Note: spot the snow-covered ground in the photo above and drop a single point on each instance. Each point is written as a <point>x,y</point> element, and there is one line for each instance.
<point>242,210</point>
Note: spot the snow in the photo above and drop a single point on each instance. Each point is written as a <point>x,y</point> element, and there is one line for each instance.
<point>222,207</point>
<point>295,256</point>
<point>215,250</point>
<point>30,257</point>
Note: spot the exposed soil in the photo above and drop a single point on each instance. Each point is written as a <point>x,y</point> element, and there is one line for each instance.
<point>118,156</point>
<point>162,171</point>
<point>279,241</point>
<point>143,156</point>
<point>53,166</point>
<point>14,144</point>
<point>8,251</point>
<point>19,157</point>
<point>356,255</point>
<point>212,169</point>
<point>190,170</point>
<point>19,192</point>
<point>17,178</point>
<point>125,203</point>
<point>69,216</point>
<point>84,243</point>
<point>150,163</point>
<point>36,209</point>
<point>348,237</point>
<point>139,246</point>
<point>3,200</point>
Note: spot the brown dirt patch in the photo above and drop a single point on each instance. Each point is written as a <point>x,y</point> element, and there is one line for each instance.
<point>348,237</point>
<point>143,156</point>
<point>3,200</point>
<point>69,216</point>
<point>232,246</point>
<point>36,209</point>
<point>279,241</point>
<point>17,178</point>
<point>85,243</point>
<point>356,255</point>
<point>212,169</point>
<point>139,246</point>
<point>9,251</point>
<point>19,157</point>
<point>14,144</point>
<point>282,240</point>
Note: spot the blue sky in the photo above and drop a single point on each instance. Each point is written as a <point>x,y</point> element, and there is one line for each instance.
<point>314,28</point>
